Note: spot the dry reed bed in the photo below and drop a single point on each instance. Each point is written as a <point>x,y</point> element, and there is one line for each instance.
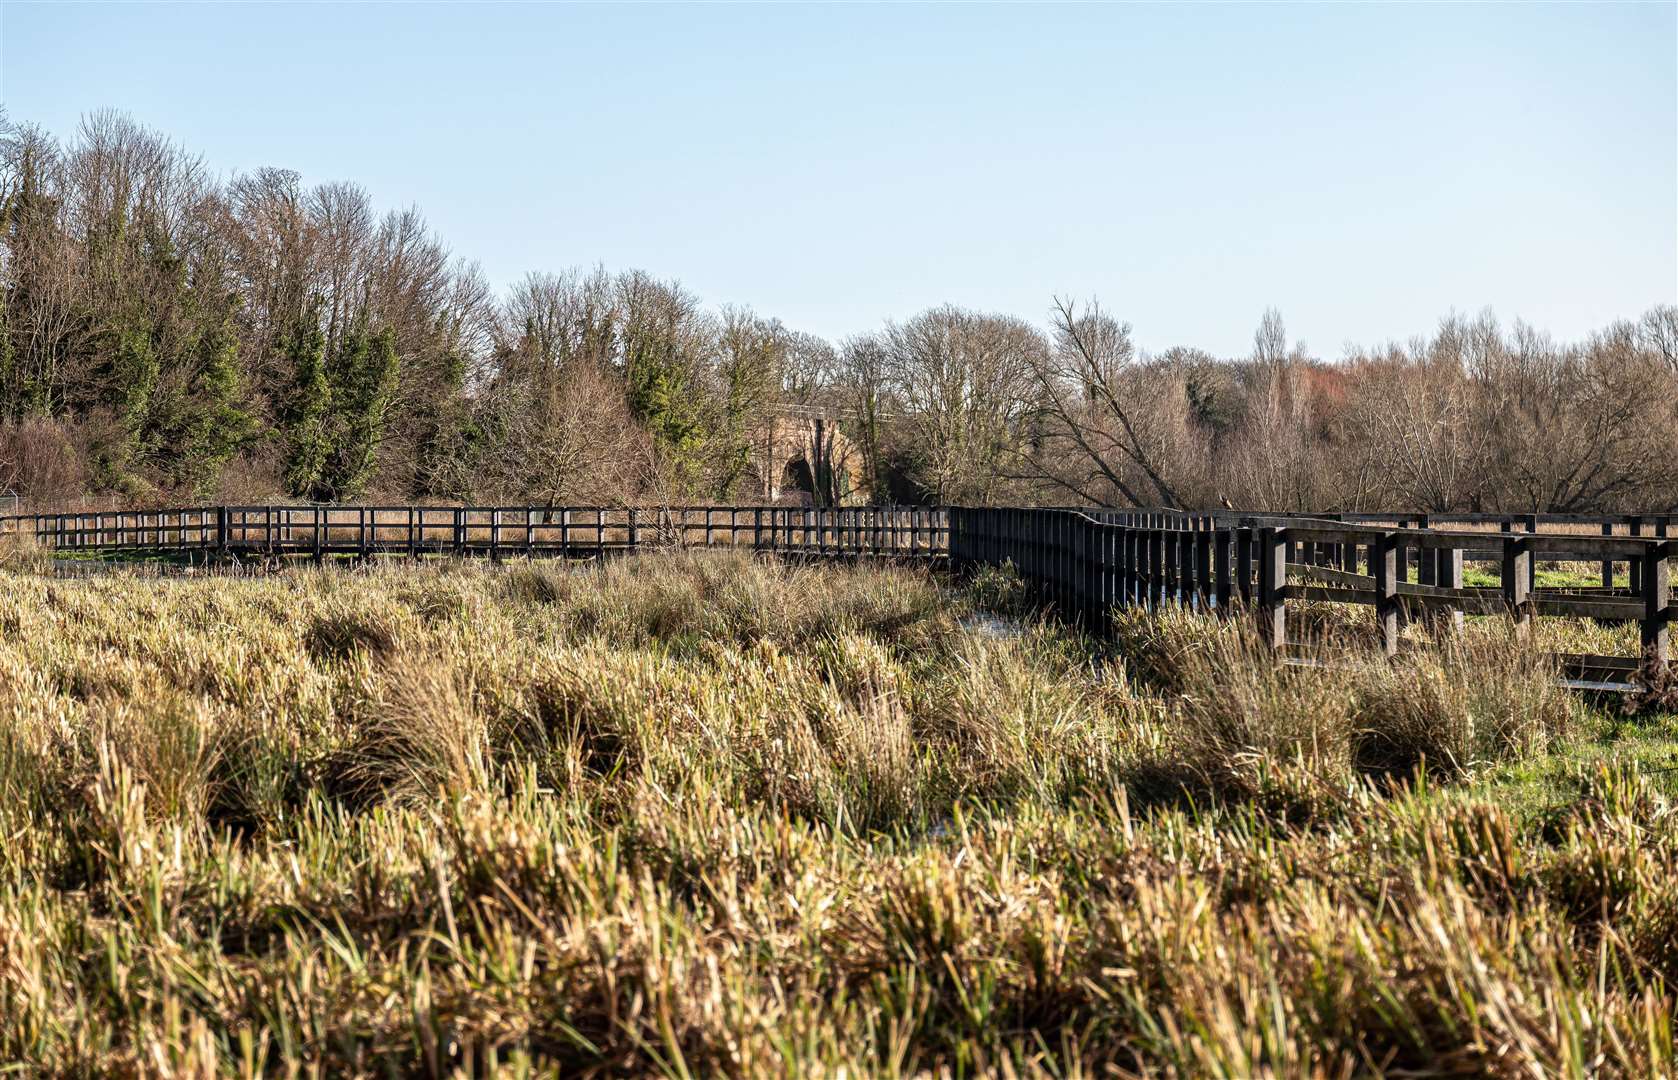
<point>690,815</point>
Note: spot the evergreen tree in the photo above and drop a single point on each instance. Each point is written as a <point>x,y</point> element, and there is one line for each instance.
<point>308,414</point>
<point>14,396</point>
<point>364,382</point>
<point>666,396</point>
<point>132,377</point>
<point>444,432</point>
<point>216,424</point>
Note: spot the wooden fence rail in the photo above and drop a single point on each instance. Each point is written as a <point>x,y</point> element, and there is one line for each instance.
<point>494,531</point>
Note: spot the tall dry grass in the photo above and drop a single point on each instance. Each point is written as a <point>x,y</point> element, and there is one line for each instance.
<point>700,815</point>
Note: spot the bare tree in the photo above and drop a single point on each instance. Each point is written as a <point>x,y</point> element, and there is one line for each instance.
<point>964,383</point>
<point>1657,332</point>
<point>1105,424</point>
<point>1414,425</point>
<point>566,437</point>
<point>1575,428</point>
<point>863,393</point>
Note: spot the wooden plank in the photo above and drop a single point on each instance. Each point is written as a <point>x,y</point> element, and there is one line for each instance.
<point>1489,603</point>
<point>1603,610</point>
<point>1597,662</point>
<point>1328,576</point>
<point>1445,592</point>
<point>1324,594</point>
<point>1557,545</point>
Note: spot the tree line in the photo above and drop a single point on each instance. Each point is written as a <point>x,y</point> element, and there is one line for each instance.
<point>167,332</point>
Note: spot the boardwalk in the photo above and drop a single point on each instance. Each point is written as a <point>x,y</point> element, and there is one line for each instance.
<point>1085,562</point>
<point>1091,562</point>
<point>283,532</point>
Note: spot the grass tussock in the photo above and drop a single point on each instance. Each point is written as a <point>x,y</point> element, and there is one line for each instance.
<point>706,815</point>
<point>22,553</point>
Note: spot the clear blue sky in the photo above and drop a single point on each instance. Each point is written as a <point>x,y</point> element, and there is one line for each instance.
<point>1364,169</point>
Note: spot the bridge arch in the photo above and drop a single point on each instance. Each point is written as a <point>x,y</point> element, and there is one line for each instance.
<point>805,456</point>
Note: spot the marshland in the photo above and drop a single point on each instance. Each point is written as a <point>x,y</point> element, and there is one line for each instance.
<point>689,814</point>
<point>838,540</point>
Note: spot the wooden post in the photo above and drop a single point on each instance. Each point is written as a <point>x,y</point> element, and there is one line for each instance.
<point>1202,569</point>
<point>635,531</point>
<point>1127,566</point>
<point>1530,523</point>
<point>1636,529</point>
<point>1110,537</point>
<point>1094,542</point>
<point>1062,560</point>
<point>1156,569</point>
<point>1517,581</point>
<point>1222,570</point>
<point>1383,563</point>
<point>1138,565</point>
<point>1078,558</point>
<point>1185,568</point>
<point>1273,578</point>
<point>1608,564</point>
<point>1657,601</point>
<point>1450,576</point>
<point>1244,541</point>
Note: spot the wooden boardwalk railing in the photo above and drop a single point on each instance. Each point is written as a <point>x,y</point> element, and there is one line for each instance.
<point>1088,563</point>
<point>494,531</point>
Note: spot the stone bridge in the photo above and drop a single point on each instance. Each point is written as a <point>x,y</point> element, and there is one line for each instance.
<point>803,457</point>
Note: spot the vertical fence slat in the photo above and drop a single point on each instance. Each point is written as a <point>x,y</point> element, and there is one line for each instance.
<point>1273,578</point>
<point>1656,582</point>
<point>1517,580</point>
<point>1383,564</point>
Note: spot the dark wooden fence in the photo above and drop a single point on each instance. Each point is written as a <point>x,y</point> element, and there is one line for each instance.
<point>496,532</point>
<point>1087,563</point>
